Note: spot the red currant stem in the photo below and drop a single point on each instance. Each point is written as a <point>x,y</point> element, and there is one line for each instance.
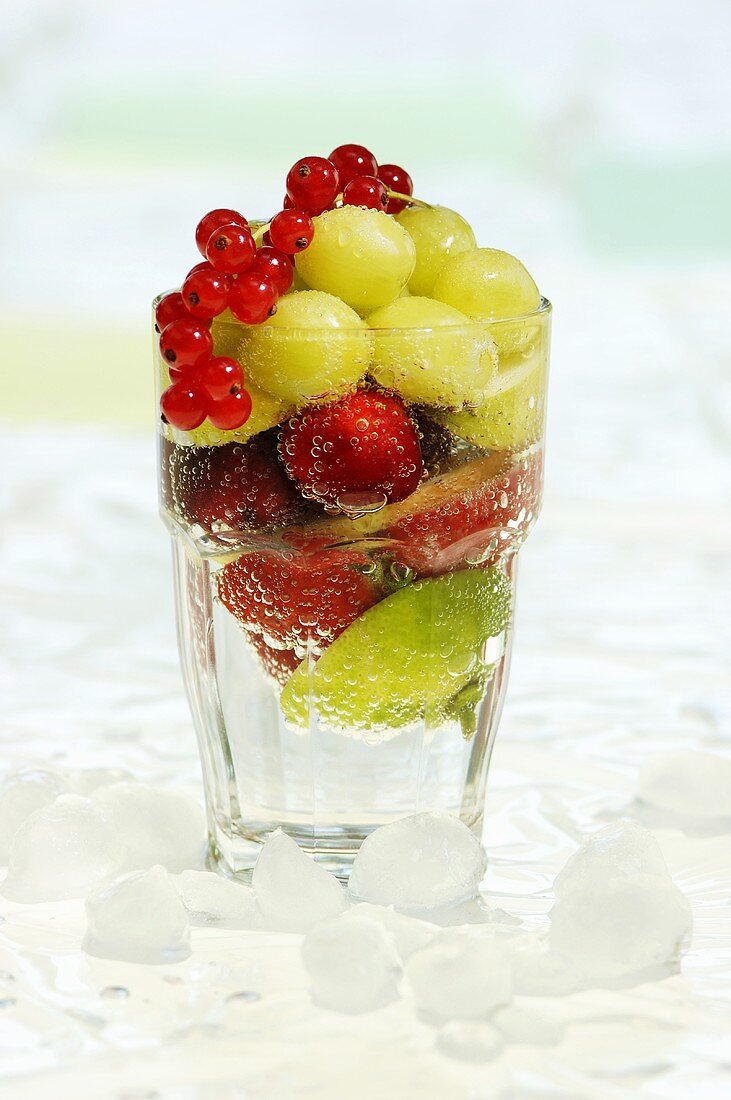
<point>258,233</point>
<point>393,195</point>
<point>408,199</point>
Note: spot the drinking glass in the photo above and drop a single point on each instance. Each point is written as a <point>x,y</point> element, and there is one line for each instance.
<point>394,709</point>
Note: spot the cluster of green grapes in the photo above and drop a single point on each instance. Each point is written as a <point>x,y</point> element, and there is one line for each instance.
<point>410,302</point>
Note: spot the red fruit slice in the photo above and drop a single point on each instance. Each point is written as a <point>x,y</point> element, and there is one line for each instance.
<point>277,663</point>
<point>239,485</point>
<point>299,598</point>
<point>484,507</point>
<point>476,512</point>
<point>364,445</point>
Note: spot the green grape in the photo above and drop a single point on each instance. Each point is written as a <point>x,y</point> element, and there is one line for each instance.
<point>438,233</point>
<point>314,346</point>
<point>435,356</point>
<point>363,256</point>
<point>511,414</point>
<point>487,285</point>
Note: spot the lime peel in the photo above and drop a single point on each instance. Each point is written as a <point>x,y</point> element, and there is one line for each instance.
<point>409,657</point>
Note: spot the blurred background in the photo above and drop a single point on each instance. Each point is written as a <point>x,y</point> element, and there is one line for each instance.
<point>591,140</point>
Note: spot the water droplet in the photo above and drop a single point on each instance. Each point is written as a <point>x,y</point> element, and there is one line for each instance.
<point>244,995</point>
<point>401,573</point>
<point>172,979</point>
<point>115,993</point>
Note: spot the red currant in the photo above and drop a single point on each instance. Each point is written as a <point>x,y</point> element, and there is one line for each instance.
<point>253,298</point>
<point>287,203</point>
<point>221,377</point>
<point>205,291</point>
<point>291,231</point>
<point>396,179</point>
<point>231,249</point>
<point>366,191</point>
<point>313,183</point>
<point>352,161</point>
<point>277,265</point>
<point>170,308</point>
<point>184,406</point>
<point>186,344</point>
<point>213,221</point>
<point>231,412</point>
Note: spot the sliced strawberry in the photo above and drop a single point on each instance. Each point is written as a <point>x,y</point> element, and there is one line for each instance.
<point>365,445</point>
<point>476,512</point>
<point>302,597</point>
<point>277,663</point>
<point>239,485</point>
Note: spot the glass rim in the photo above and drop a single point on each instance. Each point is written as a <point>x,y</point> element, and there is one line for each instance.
<point>541,312</point>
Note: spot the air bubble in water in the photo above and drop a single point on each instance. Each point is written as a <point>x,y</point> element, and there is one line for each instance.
<point>361,503</point>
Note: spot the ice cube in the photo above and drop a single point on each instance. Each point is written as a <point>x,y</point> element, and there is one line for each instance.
<point>87,780</point>
<point>618,912</point>
<point>408,933</point>
<point>693,784</point>
<point>158,825</point>
<point>470,1040</point>
<point>21,794</point>
<point>293,892</point>
<point>212,899</point>
<point>422,861</point>
<point>623,846</point>
<point>540,972</point>
<point>524,1025</point>
<point>460,976</point>
<point>352,963</point>
<point>138,918</point>
<point>62,851</point>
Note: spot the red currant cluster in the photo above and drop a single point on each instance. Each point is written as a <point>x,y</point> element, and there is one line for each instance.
<point>247,271</point>
<point>352,173</point>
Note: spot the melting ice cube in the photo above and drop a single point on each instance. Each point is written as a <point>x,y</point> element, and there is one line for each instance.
<point>21,794</point>
<point>62,851</point>
<point>617,911</point>
<point>460,976</point>
<point>418,862</point>
<point>293,892</point>
<point>139,918</point>
<point>693,784</point>
<point>211,899</point>
<point>352,963</point>
<point>158,825</point>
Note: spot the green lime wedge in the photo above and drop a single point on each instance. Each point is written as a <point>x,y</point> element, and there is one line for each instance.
<point>413,655</point>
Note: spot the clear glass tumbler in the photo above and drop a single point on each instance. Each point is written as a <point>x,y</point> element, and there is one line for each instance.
<point>346,668</point>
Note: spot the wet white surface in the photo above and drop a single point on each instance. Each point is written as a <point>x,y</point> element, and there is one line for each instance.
<point>622,651</point>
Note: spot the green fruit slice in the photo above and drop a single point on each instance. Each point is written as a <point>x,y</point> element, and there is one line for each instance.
<point>410,656</point>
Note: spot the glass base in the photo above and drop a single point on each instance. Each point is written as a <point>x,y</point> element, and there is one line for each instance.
<point>234,854</point>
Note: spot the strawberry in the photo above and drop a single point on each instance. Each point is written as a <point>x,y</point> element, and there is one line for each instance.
<point>277,663</point>
<point>304,596</point>
<point>476,512</point>
<point>363,446</point>
<point>241,485</point>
